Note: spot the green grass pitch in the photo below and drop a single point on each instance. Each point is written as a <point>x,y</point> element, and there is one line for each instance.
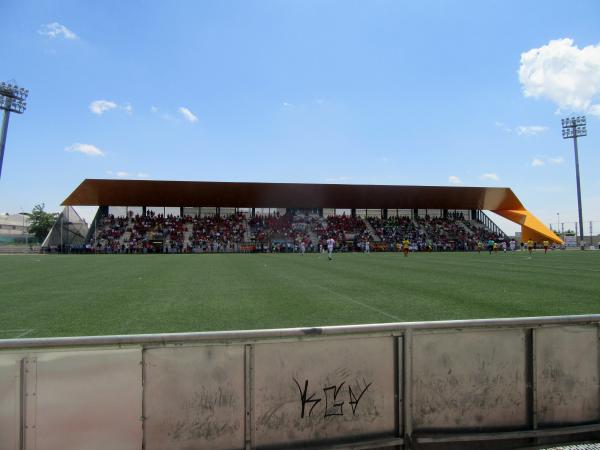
<point>67,295</point>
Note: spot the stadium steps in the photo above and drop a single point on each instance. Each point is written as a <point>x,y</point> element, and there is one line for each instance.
<point>372,232</point>
<point>247,231</point>
<point>466,228</point>
<point>187,234</point>
<point>313,236</point>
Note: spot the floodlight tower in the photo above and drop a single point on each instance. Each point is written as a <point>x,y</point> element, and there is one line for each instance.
<point>12,99</point>
<point>572,128</point>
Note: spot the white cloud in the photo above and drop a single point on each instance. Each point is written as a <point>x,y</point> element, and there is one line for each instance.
<point>531,130</point>
<point>490,176</point>
<point>187,114</point>
<point>153,109</point>
<point>502,126</point>
<point>537,162</point>
<point>55,29</point>
<point>100,106</point>
<point>594,110</point>
<point>142,175</point>
<point>287,105</point>
<point>542,161</point>
<point>86,149</point>
<point>320,101</point>
<point>122,174</point>
<point>563,73</point>
<point>453,179</point>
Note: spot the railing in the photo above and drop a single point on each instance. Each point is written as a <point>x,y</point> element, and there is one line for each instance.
<point>490,224</point>
<point>361,386</point>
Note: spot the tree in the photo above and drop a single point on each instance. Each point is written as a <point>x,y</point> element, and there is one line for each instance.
<point>40,222</point>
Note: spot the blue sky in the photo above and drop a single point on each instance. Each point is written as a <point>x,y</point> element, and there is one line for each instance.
<point>379,92</point>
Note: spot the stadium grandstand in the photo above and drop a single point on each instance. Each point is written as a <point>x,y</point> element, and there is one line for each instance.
<point>249,217</point>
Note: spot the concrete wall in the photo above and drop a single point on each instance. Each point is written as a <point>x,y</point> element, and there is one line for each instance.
<point>375,385</point>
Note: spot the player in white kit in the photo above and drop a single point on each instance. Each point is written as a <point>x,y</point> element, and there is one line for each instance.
<point>302,247</point>
<point>330,245</point>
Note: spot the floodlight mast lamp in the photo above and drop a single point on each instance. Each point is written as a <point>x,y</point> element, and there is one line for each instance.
<point>12,99</point>
<point>572,128</point>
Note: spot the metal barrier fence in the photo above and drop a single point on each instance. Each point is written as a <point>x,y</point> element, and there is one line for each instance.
<point>363,386</point>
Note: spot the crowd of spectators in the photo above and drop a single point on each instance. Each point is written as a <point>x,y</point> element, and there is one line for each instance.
<point>217,233</point>
<point>432,234</point>
<point>349,233</point>
<point>156,233</point>
<point>110,232</point>
<point>394,229</point>
<point>281,232</point>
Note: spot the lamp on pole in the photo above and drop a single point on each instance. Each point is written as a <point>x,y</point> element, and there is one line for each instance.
<point>12,99</point>
<point>572,128</point>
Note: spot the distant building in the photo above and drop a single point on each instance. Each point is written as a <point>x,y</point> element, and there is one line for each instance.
<point>13,228</point>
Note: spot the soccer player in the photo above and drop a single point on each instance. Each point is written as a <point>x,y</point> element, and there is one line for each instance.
<point>513,245</point>
<point>504,246</point>
<point>530,246</point>
<point>490,245</point>
<point>479,246</point>
<point>495,246</point>
<point>302,248</point>
<point>546,245</point>
<point>405,247</point>
<point>367,246</point>
<point>330,245</point>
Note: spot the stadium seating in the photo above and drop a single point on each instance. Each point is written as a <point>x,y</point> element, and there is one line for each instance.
<point>156,233</point>
<point>435,234</point>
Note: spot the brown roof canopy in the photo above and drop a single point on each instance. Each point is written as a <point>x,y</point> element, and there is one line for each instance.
<point>502,201</point>
<point>287,195</point>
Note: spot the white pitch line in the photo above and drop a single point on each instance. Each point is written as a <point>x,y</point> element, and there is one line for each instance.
<point>347,297</point>
<point>25,333</point>
<point>22,332</point>
<point>548,267</point>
